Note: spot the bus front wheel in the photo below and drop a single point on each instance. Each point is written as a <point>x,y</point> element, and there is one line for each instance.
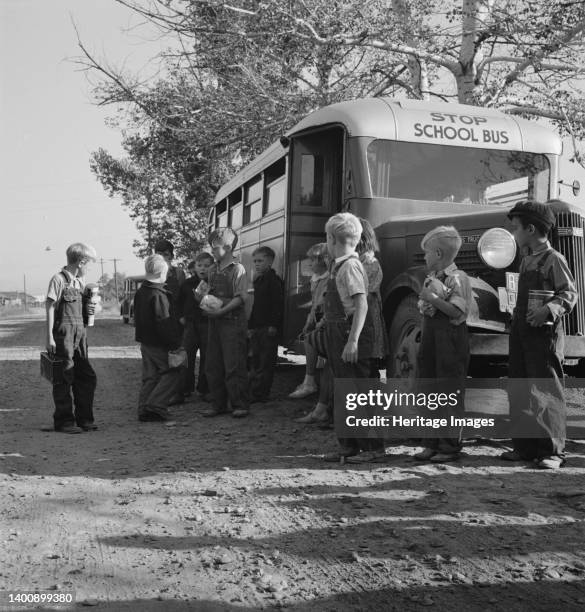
<point>405,336</point>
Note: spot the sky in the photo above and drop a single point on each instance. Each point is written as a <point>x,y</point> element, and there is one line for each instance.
<point>48,128</point>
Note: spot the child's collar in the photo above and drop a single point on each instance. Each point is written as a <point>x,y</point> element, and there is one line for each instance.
<point>223,266</point>
<point>342,258</point>
<point>541,247</point>
<point>445,271</point>
<point>317,277</point>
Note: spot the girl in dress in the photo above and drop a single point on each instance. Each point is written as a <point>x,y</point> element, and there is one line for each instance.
<point>367,249</point>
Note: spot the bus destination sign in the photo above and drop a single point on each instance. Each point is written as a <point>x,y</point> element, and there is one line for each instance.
<point>490,132</point>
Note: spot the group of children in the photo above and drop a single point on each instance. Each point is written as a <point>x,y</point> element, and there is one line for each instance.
<point>344,332</point>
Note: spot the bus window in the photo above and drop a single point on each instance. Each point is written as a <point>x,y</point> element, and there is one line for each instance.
<point>317,170</point>
<point>275,191</point>
<point>312,170</point>
<point>235,209</point>
<point>221,214</point>
<point>235,216</point>
<point>455,174</point>
<point>253,201</point>
<point>276,195</point>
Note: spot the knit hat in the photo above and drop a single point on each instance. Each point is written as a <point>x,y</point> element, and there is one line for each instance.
<point>534,212</point>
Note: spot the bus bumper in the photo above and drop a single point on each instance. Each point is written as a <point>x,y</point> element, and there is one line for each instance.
<point>496,345</point>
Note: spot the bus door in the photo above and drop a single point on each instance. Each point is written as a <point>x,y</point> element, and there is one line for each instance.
<point>315,194</point>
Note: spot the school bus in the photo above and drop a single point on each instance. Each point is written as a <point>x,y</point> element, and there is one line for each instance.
<point>407,166</point>
<point>131,285</point>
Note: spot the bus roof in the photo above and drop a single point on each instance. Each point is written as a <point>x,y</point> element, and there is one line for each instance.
<point>434,123</point>
<point>414,121</point>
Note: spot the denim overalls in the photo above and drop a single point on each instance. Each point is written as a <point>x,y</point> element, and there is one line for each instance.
<point>537,407</point>
<point>444,356</point>
<point>337,328</point>
<point>71,346</point>
<point>226,367</point>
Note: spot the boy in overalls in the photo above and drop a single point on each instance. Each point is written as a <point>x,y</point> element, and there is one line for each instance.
<point>67,340</point>
<point>348,326</point>
<point>537,406</point>
<point>444,351</point>
<point>195,324</point>
<point>226,365</point>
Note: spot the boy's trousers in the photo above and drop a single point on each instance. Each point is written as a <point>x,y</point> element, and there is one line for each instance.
<point>537,406</point>
<point>444,355</point>
<point>195,339</point>
<point>159,382</point>
<point>225,366</point>
<point>264,351</point>
<point>78,377</point>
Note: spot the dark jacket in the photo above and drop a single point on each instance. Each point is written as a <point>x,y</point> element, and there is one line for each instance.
<point>188,305</point>
<point>268,305</point>
<point>154,317</point>
<point>175,278</point>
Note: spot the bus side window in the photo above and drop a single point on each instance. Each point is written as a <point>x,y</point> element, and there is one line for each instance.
<point>253,201</point>
<point>235,209</point>
<point>221,214</point>
<point>275,190</point>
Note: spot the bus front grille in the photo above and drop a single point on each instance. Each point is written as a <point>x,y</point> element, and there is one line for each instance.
<point>568,239</point>
<point>468,261</point>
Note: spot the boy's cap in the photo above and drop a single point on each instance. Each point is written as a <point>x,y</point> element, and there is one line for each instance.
<point>162,245</point>
<point>535,212</point>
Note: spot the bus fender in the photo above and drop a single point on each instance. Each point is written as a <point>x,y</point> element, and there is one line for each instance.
<point>409,281</point>
<point>485,307</point>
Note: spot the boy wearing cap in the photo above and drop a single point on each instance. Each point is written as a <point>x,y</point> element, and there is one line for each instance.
<point>175,276</point>
<point>537,406</point>
<point>158,332</point>
<point>444,351</point>
<point>67,340</point>
<point>175,279</point>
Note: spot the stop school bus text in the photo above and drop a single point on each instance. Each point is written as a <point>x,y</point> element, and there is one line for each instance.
<point>419,421</point>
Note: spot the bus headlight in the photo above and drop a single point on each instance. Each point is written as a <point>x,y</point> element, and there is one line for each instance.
<point>497,248</point>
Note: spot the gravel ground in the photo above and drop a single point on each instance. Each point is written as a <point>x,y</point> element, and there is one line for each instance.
<point>225,514</point>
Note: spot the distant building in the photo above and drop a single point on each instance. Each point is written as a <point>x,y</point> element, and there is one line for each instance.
<point>16,298</point>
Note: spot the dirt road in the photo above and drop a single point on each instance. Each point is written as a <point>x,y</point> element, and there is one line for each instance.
<point>224,514</point>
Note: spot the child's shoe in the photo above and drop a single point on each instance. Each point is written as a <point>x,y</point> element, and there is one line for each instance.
<point>303,390</point>
<point>69,429</point>
<point>444,457</point>
<point>425,454</point>
<point>512,455</point>
<point>550,463</point>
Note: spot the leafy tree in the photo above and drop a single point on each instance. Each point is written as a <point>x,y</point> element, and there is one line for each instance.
<point>107,285</point>
<point>237,75</point>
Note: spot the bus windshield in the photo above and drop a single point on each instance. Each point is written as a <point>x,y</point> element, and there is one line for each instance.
<point>465,175</point>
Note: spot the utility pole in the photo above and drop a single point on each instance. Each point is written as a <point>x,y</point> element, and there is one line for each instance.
<point>24,292</point>
<point>116,279</point>
<point>102,265</point>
